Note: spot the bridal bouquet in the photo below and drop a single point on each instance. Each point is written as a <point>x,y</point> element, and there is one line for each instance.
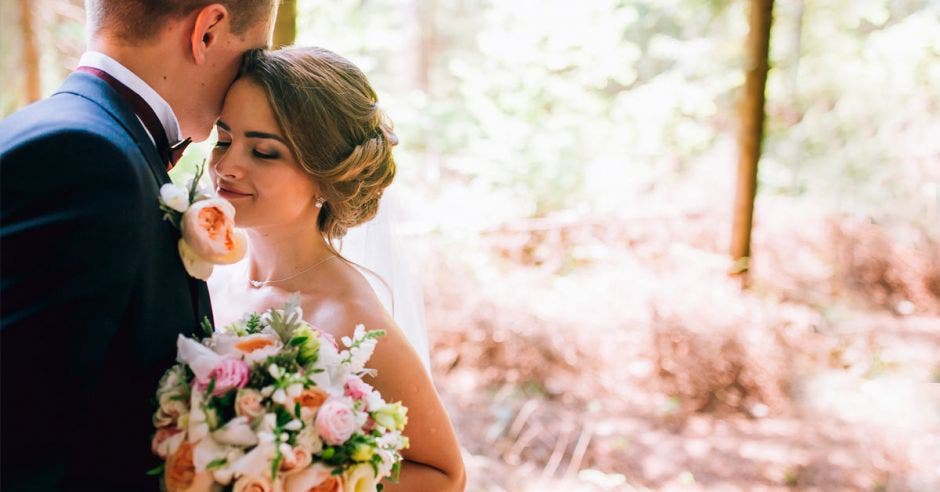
<point>269,404</point>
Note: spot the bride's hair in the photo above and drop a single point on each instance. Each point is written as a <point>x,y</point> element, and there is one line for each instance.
<point>330,117</point>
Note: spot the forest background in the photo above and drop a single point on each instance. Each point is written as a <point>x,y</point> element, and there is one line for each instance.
<point>568,172</point>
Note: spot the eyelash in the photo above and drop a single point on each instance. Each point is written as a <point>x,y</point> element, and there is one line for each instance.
<point>260,155</point>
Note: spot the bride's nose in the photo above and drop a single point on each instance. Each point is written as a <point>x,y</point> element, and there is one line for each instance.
<point>225,166</point>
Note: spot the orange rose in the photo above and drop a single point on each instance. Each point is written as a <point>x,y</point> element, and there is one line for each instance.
<point>180,471</point>
<point>312,398</point>
<point>180,475</point>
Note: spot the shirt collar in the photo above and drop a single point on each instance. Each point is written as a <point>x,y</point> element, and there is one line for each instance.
<point>159,105</point>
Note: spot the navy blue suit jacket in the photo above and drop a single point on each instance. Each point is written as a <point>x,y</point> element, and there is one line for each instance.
<point>92,293</point>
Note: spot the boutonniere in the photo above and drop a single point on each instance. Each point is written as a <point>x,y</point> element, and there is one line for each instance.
<point>207,224</point>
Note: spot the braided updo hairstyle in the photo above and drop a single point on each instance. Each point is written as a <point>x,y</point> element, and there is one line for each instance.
<point>327,111</point>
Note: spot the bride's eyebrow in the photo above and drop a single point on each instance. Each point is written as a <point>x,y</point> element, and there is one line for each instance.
<point>252,134</point>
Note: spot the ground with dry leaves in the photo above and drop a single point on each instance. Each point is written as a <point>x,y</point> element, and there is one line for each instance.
<point>614,353</point>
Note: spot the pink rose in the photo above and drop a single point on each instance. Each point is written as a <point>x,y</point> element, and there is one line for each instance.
<point>335,421</point>
<point>209,230</point>
<point>356,388</point>
<point>248,403</point>
<point>229,374</point>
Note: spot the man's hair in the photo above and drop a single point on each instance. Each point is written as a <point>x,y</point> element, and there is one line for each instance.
<point>139,20</point>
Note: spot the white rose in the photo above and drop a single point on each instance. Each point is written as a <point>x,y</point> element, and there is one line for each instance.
<point>175,197</point>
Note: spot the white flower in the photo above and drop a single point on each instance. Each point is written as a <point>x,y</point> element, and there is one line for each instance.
<point>310,440</point>
<point>237,432</point>
<point>175,197</point>
<point>226,472</point>
<point>358,356</point>
<point>279,396</point>
<point>373,401</point>
<point>293,425</point>
<point>206,451</point>
<point>294,390</point>
<point>256,462</point>
<point>201,359</point>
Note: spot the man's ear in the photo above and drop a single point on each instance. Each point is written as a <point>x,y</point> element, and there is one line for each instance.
<point>211,21</point>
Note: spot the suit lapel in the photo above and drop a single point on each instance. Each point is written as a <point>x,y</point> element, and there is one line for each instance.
<point>100,93</point>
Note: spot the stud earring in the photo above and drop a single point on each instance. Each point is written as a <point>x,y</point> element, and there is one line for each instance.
<point>320,202</point>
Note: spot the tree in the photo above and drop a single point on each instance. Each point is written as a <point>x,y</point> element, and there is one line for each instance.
<point>285,27</point>
<point>751,132</point>
<point>30,52</point>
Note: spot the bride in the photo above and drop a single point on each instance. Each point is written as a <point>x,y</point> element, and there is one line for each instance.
<point>304,154</point>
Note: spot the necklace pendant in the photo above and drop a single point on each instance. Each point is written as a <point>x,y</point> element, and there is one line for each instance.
<point>257,283</point>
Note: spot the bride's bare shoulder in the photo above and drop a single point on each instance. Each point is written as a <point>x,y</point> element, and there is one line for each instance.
<point>349,301</point>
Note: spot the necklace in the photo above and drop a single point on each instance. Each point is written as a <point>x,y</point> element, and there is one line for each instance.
<point>261,283</point>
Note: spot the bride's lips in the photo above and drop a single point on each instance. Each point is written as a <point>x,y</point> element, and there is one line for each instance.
<point>231,194</point>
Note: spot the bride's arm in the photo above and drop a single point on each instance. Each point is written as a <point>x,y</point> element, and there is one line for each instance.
<point>433,460</point>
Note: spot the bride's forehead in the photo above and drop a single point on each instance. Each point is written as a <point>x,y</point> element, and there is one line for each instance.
<point>247,100</point>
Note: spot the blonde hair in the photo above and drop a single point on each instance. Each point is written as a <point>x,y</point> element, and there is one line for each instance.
<point>328,113</point>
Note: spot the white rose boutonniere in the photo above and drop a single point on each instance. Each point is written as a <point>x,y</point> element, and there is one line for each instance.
<point>207,224</point>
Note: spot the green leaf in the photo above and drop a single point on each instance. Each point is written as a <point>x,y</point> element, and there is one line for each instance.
<point>200,170</point>
<point>211,387</point>
<point>206,326</point>
<point>216,463</point>
<point>283,416</point>
<point>156,471</point>
<point>276,464</point>
<point>396,471</point>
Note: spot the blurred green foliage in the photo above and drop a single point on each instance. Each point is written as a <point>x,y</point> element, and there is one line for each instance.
<point>530,107</point>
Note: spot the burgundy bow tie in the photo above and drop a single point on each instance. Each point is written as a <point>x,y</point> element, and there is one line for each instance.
<point>170,154</point>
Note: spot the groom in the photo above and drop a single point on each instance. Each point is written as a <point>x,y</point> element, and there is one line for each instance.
<point>93,293</point>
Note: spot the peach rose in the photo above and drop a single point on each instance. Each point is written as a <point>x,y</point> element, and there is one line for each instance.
<point>297,460</point>
<point>248,403</point>
<point>209,228</point>
<point>180,475</point>
<point>255,484</point>
<point>317,478</point>
<point>258,346</point>
<point>166,441</point>
<point>209,237</point>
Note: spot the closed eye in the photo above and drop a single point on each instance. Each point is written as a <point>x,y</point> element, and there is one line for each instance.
<point>262,155</point>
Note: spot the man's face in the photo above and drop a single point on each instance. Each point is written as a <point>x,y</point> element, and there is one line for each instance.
<point>220,71</point>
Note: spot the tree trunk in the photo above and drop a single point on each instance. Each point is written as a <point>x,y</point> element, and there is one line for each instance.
<point>425,43</point>
<point>30,53</point>
<point>285,27</point>
<point>751,132</point>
